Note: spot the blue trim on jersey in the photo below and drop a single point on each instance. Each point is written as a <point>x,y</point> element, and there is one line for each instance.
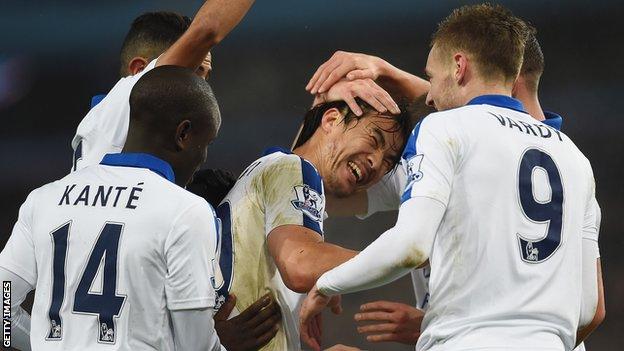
<point>313,179</point>
<point>140,160</point>
<point>553,120</point>
<point>498,100</point>
<point>97,99</point>
<point>274,149</point>
<point>410,151</point>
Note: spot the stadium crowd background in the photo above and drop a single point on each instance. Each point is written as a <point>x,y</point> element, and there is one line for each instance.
<point>54,55</point>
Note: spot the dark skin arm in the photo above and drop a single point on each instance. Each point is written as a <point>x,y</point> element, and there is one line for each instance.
<point>251,329</point>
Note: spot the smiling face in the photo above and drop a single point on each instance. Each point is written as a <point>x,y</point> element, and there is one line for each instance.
<point>357,155</point>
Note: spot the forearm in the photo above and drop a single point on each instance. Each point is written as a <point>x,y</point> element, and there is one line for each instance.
<point>310,260</point>
<point>400,83</point>
<point>214,20</point>
<point>393,254</point>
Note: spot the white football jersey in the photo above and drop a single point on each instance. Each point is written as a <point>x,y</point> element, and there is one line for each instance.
<point>105,127</point>
<point>505,263</point>
<point>277,189</point>
<point>110,249</point>
<point>386,196</point>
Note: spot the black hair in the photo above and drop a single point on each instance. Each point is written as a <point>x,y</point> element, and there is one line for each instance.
<point>166,95</point>
<point>150,35</point>
<point>405,121</point>
<point>212,184</point>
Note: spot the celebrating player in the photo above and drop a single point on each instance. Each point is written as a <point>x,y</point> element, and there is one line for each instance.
<point>461,192</point>
<point>120,256</point>
<point>104,128</point>
<point>396,321</point>
<point>151,34</point>
<point>272,218</point>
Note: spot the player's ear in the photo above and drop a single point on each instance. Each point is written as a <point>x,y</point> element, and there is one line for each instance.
<point>331,118</point>
<point>460,66</point>
<point>183,134</point>
<point>137,65</point>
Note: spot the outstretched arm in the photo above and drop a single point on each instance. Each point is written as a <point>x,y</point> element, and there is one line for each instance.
<point>392,255</point>
<point>214,20</point>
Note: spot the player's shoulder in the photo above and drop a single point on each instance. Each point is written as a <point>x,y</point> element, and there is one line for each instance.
<point>279,159</point>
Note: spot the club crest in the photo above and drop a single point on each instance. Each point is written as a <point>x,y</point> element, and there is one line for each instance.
<point>310,202</point>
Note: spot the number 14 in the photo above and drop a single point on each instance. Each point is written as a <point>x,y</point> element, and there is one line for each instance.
<point>107,305</point>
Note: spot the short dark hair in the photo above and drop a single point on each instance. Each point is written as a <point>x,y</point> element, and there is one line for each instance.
<point>167,95</point>
<point>533,63</point>
<point>405,121</point>
<point>150,35</point>
<point>491,33</point>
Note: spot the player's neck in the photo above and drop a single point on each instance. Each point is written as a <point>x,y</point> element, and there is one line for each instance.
<point>531,103</point>
<point>134,147</point>
<point>310,153</point>
<point>480,87</point>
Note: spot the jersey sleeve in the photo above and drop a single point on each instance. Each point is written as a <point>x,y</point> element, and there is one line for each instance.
<point>189,252</point>
<point>293,194</point>
<point>385,195</point>
<point>429,159</point>
<point>105,127</point>
<point>18,256</point>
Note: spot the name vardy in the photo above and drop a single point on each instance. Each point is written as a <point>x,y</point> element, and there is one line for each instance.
<point>101,195</point>
<point>535,129</point>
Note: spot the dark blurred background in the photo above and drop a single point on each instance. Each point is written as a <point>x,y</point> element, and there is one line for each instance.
<point>54,55</point>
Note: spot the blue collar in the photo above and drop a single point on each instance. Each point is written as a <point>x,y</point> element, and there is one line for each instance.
<point>97,99</point>
<point>140,160</point>
<point>498,100</point>
<point>274,149</point>
<point>553,120</point>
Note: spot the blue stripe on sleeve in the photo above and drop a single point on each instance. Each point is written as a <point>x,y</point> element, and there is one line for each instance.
<point>410,151</point>
<point>312,179</point>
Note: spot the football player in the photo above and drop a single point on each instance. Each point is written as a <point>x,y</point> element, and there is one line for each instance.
<point>104,128</point>
<point>273,217</point>
<point>120,255</point>
<point>396,321</point>
<point>440,159</point>
<point>150,35</point>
